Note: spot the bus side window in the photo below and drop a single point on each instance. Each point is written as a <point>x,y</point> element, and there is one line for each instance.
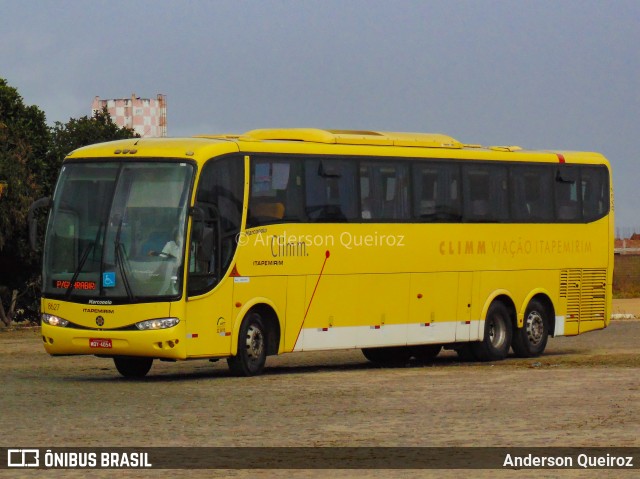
<point>566,194</point>
<point>331,190</point>
<point>484,190</point>
<point>595,192</point>
<point>384,191</point>
<point>531,197</point>
<point>436,195</point>
<point>275,194</point>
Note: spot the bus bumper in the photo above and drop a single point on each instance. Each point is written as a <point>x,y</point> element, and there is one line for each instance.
<point>163,343</point>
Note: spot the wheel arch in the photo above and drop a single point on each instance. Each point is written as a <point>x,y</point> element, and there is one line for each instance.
<point>503,296</point>
<point>544,297</point>
<point>268,311</point>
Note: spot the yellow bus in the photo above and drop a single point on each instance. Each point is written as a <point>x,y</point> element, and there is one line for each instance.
<point>281,240</point>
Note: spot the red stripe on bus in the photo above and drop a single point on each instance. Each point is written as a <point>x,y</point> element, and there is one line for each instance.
<point>326,257</point>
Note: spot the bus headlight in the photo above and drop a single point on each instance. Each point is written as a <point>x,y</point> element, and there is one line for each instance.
<point>52,320</point>
<point>159,323</point>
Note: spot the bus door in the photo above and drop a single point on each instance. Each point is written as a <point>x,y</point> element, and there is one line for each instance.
<point>208,308</point>
<point>215,224</point>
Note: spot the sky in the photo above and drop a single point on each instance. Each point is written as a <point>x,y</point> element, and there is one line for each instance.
<point>545,74</point>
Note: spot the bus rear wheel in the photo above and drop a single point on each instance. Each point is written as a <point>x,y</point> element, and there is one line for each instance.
<point>133,367</point>
<point>497,334</point>
<point>252,347</point>
<point>531,340</point>
<point>390,356</point>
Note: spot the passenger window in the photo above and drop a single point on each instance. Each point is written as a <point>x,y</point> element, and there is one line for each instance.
<point>276,191</point>
<point>531,197</point>
<point>566,194</point>
<point>485,193</point>
<point>436,192</point>
<point>595,192</point>
<point>330,190</point>
<point>384,191</point>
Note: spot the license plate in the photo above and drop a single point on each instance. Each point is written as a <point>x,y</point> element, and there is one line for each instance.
<point>100,343</point>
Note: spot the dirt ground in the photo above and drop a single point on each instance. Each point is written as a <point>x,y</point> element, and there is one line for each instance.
<point>626,307</point>
<point>584,391</point>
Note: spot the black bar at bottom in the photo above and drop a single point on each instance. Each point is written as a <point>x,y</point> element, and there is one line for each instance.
<point>321,458</point>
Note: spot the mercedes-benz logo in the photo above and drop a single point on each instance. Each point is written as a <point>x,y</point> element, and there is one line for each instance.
<point>100,321</point>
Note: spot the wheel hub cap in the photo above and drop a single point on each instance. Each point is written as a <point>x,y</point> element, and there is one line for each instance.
<point>535,327</point>
<point>255,343</point>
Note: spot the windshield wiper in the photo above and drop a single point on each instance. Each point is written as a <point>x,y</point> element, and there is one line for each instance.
<point>76,273</point>
<point>83,260</point>
<point>120,262</point>
<point>119,254</point>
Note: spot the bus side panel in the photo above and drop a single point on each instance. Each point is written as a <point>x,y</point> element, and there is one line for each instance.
<point>433,304</point>
<point>332,305</point>
<point>209,322</point>
<point>296,307</point>
<point>355,311</point>
<point>383,309</point>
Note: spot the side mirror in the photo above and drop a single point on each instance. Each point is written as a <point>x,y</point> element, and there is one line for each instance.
<point>33,221</point>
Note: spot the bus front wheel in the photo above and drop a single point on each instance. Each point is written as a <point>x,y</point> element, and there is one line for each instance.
<point>497,334</point>
<point>531,340</point>
<point>252,347</point>
<point>133,367</point>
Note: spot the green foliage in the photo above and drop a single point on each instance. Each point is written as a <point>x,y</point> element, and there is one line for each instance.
<point>82,132</point>
<point>31,154</point>
<point>24,141</point>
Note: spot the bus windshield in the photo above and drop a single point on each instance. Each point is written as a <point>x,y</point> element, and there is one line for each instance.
<point>116,231</point>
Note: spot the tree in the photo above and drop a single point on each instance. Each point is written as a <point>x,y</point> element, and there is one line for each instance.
<point>82,132</point>
<point>24,142</point>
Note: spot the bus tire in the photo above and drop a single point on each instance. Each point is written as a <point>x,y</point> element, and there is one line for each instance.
<point>531,339</point>
<point>389,356</point>
<point>497,334</point>
<point>252,347</point>
<point>133,368</point>
<point>425,353</point>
